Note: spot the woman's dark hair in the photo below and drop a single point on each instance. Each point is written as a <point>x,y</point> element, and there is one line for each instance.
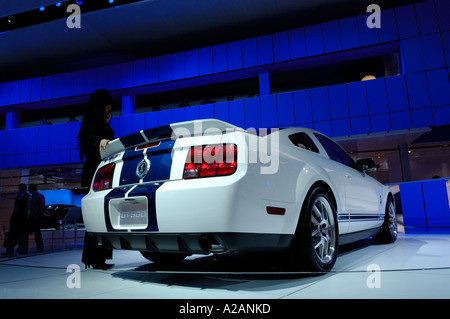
<point>96,105</point>
<point>94,115</point>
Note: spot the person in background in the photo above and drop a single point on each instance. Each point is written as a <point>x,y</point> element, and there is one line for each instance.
<point>185,103</point>
<point>36,208</point>
<point>95,133</point>
<point>17,220</point>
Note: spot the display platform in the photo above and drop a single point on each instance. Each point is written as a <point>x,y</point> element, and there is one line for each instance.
<point>416,266</point>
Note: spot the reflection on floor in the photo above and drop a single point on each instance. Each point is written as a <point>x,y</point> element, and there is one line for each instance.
<point>416,266</point>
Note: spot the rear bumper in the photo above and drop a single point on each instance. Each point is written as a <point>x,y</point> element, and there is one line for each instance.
<point>193,243</point>
<point>227,204</point>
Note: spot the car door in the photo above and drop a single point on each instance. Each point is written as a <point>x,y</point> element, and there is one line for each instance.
<point>362,196</point>
<point>304,141</point>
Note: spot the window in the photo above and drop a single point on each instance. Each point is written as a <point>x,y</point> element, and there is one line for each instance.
<point>198,95</point>
<point>302,140</point>
<point>340,70</point>
<point>335,152</point>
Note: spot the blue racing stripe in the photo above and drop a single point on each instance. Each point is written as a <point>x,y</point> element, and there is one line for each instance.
<point>160,158</point>
<point>158,133</point>
<point>148,191</point>
<point>365,217</point>
<point>132,139</point>
<point>115,193</point>
<point>152,134</point>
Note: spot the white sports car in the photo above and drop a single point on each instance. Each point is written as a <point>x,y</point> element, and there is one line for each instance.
<point>206,186</point>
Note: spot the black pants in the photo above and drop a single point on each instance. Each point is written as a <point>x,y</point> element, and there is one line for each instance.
<point>23,240</point>
<point>93,253</point>
<point>12,239</point>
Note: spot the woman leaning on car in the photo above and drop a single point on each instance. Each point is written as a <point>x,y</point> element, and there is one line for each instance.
<point>95,133</point>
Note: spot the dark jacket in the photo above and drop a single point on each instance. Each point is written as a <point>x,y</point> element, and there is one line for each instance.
<point>90,136</point>
<point>36,209</point>
<point>19,214</point>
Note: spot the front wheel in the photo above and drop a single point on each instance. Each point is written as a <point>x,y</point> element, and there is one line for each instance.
<point>315,244</point>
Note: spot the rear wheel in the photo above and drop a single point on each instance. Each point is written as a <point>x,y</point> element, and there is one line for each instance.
<point>315,244</point>
<point>389,231</point>
<point>163,258</point>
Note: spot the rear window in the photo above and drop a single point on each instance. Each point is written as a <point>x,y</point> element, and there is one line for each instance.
<point>335,152</point>
<point>302,140</point>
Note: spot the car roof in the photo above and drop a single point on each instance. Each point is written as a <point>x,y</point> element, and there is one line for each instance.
<point>286,132</point>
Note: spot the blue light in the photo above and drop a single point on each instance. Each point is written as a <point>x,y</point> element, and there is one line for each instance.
<point>41,9</point>
<point>58,4</point>
<point>111,1</point>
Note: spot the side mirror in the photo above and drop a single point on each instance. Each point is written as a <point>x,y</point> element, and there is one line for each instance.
<point>366,164</point>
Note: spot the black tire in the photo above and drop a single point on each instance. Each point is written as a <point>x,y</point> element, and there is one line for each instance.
<point>315,244</point>
<point>163,258</point>
<point>389,231</point>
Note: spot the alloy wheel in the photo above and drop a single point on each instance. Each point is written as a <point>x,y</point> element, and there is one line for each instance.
<point>323,230</point>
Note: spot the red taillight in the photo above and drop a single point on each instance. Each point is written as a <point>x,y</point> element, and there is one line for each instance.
<point>103,178</point>
<point>210,160</point>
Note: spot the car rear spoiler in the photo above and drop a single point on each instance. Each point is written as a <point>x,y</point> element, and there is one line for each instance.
<point>167,132</point>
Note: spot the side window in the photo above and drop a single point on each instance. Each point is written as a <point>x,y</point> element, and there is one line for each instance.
<point>303,140</point>
<point>335,152</point>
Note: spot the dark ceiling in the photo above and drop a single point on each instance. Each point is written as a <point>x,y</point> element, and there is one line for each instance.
<point>153,27</point>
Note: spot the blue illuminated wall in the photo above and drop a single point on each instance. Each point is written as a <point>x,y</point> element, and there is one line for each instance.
<point>419,97</point>
<point>425,206</point>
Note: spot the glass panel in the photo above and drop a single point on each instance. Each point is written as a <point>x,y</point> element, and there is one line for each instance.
<point>303,140</point>
<point>335,152</point>
<point>388,167</point>
<point>428,163</point>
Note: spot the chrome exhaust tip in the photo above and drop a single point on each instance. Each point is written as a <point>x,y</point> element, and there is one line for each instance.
<point>209,243</point>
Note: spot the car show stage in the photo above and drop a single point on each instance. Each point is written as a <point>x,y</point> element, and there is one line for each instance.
<point>415,266</point>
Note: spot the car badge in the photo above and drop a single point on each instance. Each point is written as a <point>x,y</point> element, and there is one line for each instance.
<point>143,168</point>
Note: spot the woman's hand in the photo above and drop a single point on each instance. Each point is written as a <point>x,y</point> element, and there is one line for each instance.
<point>103,144</point>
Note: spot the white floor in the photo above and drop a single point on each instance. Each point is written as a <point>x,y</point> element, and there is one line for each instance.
<point>416,266</point>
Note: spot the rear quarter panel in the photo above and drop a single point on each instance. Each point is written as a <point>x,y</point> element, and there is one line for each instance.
<point>298,171</point>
